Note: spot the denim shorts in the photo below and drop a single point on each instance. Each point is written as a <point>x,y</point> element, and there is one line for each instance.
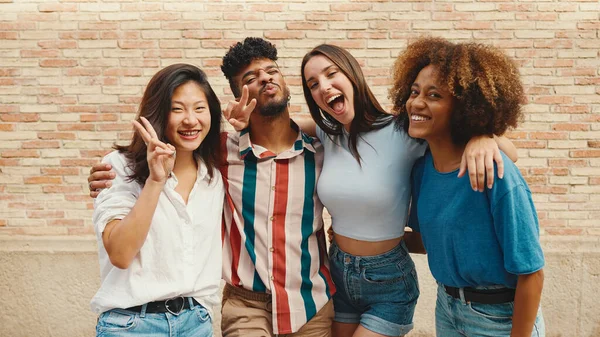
<point>380,292</point>
<point>194,322</point>
<point>457,318</point>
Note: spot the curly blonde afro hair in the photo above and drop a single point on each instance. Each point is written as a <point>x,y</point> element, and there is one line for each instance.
<point>485,84</point>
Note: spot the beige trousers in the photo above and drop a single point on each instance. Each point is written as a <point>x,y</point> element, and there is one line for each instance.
<point>249,314</point>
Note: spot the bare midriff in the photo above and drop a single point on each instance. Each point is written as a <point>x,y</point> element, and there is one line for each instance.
<point>365,248</point>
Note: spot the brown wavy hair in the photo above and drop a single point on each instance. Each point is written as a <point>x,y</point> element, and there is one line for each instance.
<point>485,84</point>
<point>156,107</point>
<point>368,113</point>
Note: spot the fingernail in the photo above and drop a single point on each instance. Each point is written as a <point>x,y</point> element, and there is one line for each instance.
<point>108,184</point>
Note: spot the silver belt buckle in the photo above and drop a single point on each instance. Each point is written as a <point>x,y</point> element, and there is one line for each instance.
<point>175,312</point>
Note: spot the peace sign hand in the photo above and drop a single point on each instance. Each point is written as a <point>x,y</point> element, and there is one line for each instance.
<point>238,113</point>
<point>161,156</point>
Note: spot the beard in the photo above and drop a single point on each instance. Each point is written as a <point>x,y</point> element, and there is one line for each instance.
<point>274,107</point>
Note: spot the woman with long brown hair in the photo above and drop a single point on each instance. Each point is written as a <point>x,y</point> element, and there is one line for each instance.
<point>365,186</point>
<point>158,226</point>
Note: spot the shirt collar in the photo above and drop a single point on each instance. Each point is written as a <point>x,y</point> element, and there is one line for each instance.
<point>303,141</point>
<point>201,174</point>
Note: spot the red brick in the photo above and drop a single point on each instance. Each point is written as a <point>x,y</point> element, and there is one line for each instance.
<point>58,63</point>
<point>584,153</point>
<point>36,144</point>
<point>202,35</point>
<point>114,127</point>
<point>553,99</point>
<point>60,171</point>
<point>280,35</point>
<point>87,163</point>
<point>66,222</point>
<point>79,35</point>
<point>54,44</point>
<point>45,214</point>
<point>94,153</point>
<point>20,118</point>
<point>9,162</point>
<point>594,181</point>
<point>20,154</point>
<point>8,127</point>
<point>594,143</point>
<point>75,127</point>
<point>564,231</point>
<point>98,118</point>
<point>529,144</point>
<point>549,135</point>
<point>567,163</point>
<point>26,205</point>
<point>53,7</point>
<point>61,189</point>
<point>86,230</point>
<point>79,108</point>
<point>3,223</point>
<point>56,135</point>
<point>570,127</point>
<point>17,26</point>
<point>9,35</point>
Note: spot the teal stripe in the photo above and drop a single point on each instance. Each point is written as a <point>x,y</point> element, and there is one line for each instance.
<point>308,216</point>
<point>248,213</point>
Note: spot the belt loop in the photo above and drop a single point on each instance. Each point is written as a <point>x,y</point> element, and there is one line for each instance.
<point>191,302</point>
<point>461,292</point>
<point>357,264</point>
<point>143,312</point>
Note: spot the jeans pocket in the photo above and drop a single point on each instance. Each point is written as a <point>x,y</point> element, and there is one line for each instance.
<point>383,274</point>
<point>202,313</point>
<point>502,311</point>
<point>116,321</point>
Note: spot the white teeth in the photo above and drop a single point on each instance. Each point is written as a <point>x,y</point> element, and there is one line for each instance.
<point>419,118</point>
<point>188,133</point>
<point>332,98</point>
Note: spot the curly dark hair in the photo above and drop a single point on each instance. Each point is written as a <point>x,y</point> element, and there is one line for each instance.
<point>485,84</point>
<point>156,107</point>
<point>241,54</point>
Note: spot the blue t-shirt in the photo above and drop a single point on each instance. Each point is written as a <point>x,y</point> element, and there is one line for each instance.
<point>473,238</point>
<point>369,201</point>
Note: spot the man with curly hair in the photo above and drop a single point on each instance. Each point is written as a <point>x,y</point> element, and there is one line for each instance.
<point>274,256</point>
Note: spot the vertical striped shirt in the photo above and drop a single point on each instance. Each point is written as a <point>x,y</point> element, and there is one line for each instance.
<point>273,237</point>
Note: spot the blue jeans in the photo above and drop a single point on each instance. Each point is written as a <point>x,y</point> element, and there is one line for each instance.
<point>194,322</point>
<point>380,292</point>
<point>457,318</point>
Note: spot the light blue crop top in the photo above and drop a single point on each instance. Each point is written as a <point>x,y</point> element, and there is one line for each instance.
<point>368,203</point>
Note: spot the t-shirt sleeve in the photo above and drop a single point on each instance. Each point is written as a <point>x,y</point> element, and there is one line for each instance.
<point>517,229</point>
<point>415,181</point>
<point>116,202</point>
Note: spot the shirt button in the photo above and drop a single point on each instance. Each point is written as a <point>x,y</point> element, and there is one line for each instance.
<point>272,218</point>
<point>273,188</point>
<point>271,249</point>
<point>272,277</point>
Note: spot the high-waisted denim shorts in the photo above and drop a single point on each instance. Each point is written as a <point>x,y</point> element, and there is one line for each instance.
<point>380,292</point>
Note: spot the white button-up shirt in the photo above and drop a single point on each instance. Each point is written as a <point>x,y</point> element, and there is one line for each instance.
<point>182,252</point>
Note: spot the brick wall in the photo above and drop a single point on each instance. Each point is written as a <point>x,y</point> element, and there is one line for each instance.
<point>72,73</point>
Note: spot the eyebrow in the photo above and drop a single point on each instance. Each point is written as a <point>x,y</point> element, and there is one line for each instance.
<point>322,70</point>
<point>200,101</point>
<point>418,86</point>
<point>250,72</point>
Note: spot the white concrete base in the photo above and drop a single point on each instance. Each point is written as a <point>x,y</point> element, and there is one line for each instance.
<point>46,285</point>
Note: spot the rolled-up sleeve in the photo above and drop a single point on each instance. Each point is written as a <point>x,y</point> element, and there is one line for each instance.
<point>116,202</point>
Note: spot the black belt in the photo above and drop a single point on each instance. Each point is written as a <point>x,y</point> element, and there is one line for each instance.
<point>172,305</point>
<point>483,296</point>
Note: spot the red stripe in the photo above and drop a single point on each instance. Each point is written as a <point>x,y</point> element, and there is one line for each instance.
<point>284,324</point>
<point>323,268</point>
<point>235,238</point>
